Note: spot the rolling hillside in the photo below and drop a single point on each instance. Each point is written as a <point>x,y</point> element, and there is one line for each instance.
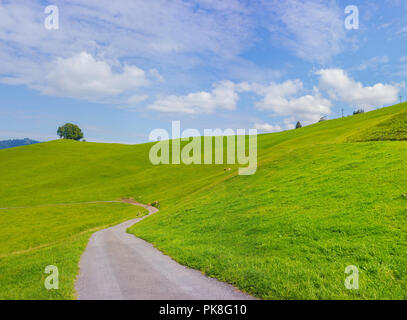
<point>324,197</point>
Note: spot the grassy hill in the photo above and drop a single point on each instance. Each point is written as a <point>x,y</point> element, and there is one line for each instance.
<point>324,197</point>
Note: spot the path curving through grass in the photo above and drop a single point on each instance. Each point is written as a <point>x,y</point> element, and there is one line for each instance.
<point>117,265</point>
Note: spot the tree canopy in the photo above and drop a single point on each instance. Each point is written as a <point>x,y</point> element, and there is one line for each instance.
<point>70,131</point>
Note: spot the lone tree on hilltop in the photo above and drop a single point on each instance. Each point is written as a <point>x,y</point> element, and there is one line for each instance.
<point>299,125</point>
<point>70,131</point>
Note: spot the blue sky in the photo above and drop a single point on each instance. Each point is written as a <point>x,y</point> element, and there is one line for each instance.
<point>120,69</point>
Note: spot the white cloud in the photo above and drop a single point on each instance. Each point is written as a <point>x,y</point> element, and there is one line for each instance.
<point>283,99</point>
<point>165,35</point>
<point>313,29</point>
<point>403,59</point>
<point>288,99</point>
<point>84,77</point>
<point>112,30</point>
<point>341,87</point>
<point>265,127</point>
<point>223,96</point>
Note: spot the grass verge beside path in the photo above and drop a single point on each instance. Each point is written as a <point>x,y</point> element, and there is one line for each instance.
<point>33,238</point>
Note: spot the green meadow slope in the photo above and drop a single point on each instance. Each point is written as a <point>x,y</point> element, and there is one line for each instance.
<point>324,197</point>
<point>33,238</point>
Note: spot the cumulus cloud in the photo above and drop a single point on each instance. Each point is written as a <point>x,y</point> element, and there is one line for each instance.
<point>150,34</point>
<point>266,127</point>
<point>340,86</point>
<point>84,77</point>
<point>288,99</point>
<point>282,99</point>
<point>223,96</point>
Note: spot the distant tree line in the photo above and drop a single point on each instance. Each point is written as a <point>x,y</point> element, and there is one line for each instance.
<point>16,143</point>
<point>358,111</point>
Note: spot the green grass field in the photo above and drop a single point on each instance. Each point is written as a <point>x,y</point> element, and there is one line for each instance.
<point>324,197</point>
<point>33,238</point>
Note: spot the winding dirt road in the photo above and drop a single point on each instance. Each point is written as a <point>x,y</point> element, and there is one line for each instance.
<point>119,266</point>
